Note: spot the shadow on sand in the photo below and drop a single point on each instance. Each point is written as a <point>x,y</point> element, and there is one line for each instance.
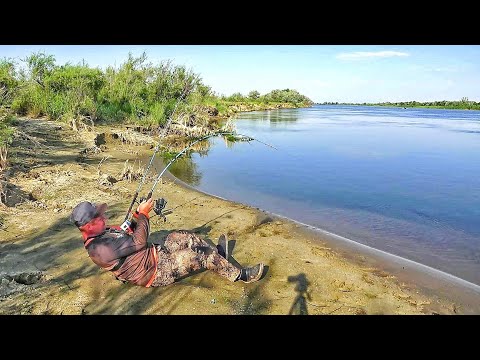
<point>299,306</point>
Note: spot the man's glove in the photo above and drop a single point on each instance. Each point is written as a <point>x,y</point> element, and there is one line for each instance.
<point>145,207</point>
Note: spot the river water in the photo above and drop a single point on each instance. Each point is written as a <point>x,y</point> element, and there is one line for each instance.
<point>405,181</point>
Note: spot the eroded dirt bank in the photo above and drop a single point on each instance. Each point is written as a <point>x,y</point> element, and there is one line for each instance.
<point>44,268</point>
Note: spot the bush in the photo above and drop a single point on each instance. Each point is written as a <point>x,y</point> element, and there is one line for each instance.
<point>287,96</point>
<point>157,114</point>
<point>8,82</point>
<point>112,112</point>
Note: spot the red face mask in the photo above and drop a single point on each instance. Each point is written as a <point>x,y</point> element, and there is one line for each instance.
<point>94,227</point>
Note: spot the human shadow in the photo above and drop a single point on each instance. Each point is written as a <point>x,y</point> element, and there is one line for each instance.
<point>299,306</point>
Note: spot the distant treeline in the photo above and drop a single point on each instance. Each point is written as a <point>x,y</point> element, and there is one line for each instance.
<point>136,92</point>
<point>463,104</point>
<point>275,96</point>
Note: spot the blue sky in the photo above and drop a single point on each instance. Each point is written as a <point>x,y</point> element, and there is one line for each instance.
<point>360,73</point>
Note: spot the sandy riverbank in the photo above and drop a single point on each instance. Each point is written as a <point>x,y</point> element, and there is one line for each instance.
<point>45,270</point>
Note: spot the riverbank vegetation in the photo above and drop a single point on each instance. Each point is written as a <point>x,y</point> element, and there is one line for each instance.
<point>463,104</point>
<point>136,92</point>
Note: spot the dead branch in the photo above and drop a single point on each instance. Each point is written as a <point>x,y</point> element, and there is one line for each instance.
<point>105,158</point>
<point>129,173</point>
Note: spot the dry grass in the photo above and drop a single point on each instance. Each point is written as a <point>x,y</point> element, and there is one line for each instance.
<point>132,137</point>
<point>129,172</point>
<point>189,131</point>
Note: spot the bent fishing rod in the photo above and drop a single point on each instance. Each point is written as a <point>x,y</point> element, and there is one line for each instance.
<point>126,223</point>
<point>160,204</point>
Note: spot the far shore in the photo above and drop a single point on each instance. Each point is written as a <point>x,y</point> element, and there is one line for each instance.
<point>403,106</point>
<point>45,270</point>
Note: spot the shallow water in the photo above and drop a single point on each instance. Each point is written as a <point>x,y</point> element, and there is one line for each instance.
<point>406,181</point>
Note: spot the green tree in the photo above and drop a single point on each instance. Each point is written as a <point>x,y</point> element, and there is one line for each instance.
<point>287,96</point>
<point>236,97</point>
<point>8,81</point>
<point>39,66</point>
<point>254,95</point>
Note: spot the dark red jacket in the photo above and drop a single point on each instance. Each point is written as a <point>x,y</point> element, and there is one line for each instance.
<point>130,256</point>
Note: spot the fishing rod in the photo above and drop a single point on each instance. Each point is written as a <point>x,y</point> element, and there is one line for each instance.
<point>159,204</point>
<point>127,223</point>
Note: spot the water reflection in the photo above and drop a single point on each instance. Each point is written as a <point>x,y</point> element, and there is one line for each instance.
<point>185,168</point>
<point>273,116</point>
<point>177,145</point>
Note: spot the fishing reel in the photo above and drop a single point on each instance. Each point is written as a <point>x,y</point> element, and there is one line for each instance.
<point>158,206</point>
<point>129,225</point>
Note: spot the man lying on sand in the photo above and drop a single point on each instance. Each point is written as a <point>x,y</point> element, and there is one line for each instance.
<point>132,259</point>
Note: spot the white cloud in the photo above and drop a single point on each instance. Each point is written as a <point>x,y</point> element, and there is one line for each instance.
<point>358,55</point>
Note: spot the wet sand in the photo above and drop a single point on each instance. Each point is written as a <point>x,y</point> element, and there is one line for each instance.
<point>44,268</point>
